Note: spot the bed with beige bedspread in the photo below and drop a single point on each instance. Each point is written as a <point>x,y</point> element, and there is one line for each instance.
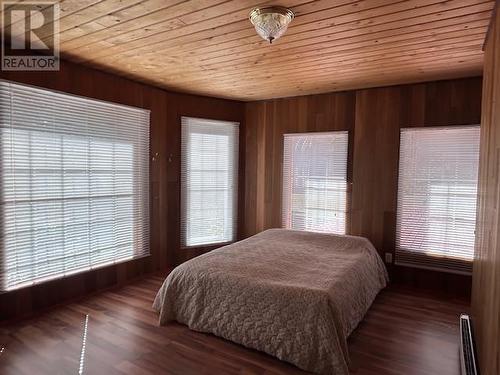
<point>292,294</point>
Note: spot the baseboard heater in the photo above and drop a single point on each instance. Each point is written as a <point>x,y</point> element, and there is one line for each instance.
<point>468,358</point>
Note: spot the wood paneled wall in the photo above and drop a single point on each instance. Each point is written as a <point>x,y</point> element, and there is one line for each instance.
<point>373,118</point>
<point>166,111</point>
<point>267,121</point>
<point>486,274</point>
<point>179,105</point>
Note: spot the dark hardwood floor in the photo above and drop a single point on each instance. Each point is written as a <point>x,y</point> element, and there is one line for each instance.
<point>405,332</point>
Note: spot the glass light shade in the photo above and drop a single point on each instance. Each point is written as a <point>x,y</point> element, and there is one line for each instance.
<point>272,22</point>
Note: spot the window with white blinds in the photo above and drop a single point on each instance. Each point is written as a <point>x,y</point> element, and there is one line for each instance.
<point>74,184</point>
<point>315,181</point>
<point>437,191</point>
<point>209,180</point>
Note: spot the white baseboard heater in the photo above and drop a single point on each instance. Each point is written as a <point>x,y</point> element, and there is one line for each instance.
<point>468,358</point>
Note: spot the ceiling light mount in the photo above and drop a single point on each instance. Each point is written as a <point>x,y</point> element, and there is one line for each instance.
<point>271,22</point>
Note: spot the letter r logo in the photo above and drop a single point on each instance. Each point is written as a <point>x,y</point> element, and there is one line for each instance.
<point>29,20</point>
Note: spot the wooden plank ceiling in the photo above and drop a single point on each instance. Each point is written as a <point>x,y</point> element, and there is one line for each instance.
<point>209,46</point>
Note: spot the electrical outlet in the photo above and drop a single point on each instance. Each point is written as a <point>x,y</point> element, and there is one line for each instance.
<point>388,258</point>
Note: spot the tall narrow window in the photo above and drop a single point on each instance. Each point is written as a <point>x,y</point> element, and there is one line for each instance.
<point>438,172</point>
<point>73,183</point>
<point>209,181</point>
<point>315,181</point>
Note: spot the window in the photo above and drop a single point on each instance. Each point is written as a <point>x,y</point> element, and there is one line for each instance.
<point>209,181</point>
<point>315,181</point>
<point>438,172</point>
<point>74,184</point>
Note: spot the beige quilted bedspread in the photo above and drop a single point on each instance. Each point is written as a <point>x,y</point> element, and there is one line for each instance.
<point>295,295</point>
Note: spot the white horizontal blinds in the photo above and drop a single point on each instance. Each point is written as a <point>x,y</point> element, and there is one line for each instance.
<point>315,181</point>
<point>74,184</point>
<point>438,172</point>
<point>209,181</point>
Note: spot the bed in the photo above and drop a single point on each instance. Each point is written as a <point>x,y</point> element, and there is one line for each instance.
<point>292,294</point>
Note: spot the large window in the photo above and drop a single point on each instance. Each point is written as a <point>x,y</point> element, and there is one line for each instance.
<point>315,181</point>
<point>74,184</point>
<point>438,171</point>
<point>209,181</point>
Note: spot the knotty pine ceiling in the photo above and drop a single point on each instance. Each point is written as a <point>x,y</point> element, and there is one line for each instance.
<point>209,47</point>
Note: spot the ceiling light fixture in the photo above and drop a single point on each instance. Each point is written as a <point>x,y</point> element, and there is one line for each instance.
<point>271,22</point>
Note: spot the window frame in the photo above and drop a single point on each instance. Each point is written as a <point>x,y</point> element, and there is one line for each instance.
<point>235,173</point>
<point>74,101</point>
<point>433,262</point>
<point>348,156</point>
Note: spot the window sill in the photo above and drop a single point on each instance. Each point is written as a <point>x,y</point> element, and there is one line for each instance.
<point>433,263</point>
<point>79,272</point>
<point>206,247</point>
